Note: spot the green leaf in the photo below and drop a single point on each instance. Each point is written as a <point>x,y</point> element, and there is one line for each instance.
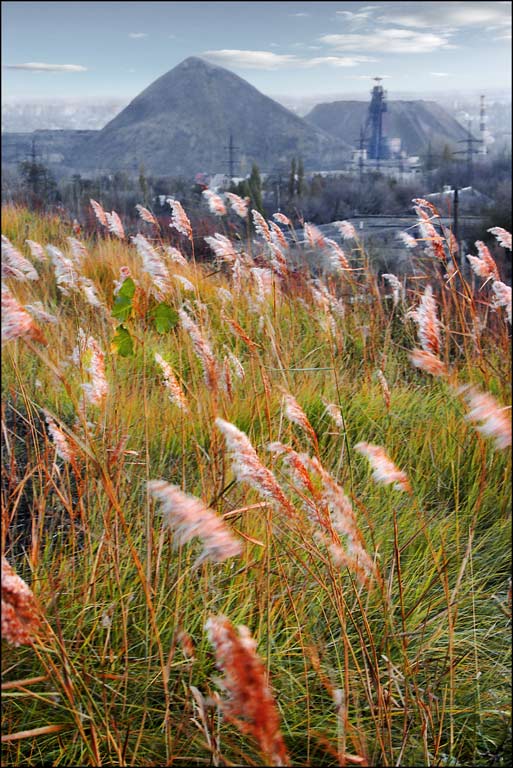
<point>127,288</point>
<point>122,342</point>
<point>122,308</point>
<point>165,317</point>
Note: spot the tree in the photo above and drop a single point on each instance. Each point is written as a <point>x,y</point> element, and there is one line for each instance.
<point>292,178</point>
<point>300,182</point>
<point>255,189</point>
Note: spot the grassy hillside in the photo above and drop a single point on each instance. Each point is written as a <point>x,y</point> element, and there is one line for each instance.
<point>375,585</point>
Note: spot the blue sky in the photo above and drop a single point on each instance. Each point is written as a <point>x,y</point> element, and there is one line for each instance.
<point>99,50</point>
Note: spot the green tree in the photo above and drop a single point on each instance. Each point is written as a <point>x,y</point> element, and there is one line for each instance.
<point>255,189</point>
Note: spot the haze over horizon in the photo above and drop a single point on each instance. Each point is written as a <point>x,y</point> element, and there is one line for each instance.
<point>99,51</point>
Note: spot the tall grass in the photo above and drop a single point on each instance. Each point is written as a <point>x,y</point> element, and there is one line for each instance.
<point>375,617</point>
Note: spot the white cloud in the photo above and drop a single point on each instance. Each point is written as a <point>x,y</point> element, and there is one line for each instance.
<point>269,60</point>
<point>447,13</point>
<point>250,59</point>
<point>388,41</point>
<point>299,15</point>
<point>38,66</point>
<point>137,35</point>
<point>439,74</point>
<point>337,61</point>
<point>357,18</point>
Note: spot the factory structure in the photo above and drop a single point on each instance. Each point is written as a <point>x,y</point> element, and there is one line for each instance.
<point>377,151</point>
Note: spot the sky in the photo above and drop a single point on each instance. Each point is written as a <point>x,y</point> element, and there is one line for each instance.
<point>94,51</point>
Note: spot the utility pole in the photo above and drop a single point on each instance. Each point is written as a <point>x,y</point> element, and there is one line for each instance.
<point>231,157</point>
<point>361,146</point>
<point>469,152</point>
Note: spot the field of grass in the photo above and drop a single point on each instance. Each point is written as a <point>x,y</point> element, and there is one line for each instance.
<point>379,601</point>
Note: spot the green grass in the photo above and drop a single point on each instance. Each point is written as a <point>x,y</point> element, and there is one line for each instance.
<point>422,658</point>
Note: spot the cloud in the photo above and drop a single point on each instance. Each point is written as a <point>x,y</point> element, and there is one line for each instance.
<point>439,74</point>
<point>357,18</point>
<point>38,66</point>
<point>388,41</point>
<point>337,61</point>
<point>269,60</point>
<point>299,15</point>
<point>447,13</point>
<point>250,59</point>
<point>137,35</point>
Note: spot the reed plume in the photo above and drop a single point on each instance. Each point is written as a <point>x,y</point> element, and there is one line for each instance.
<point>20,620</point>
<point>215,202</point>
<point>179,219</point>
<point>13,258</point>
<point>345,229</point>
<point>188,517</point>
<point>484,264</point>
<point>384,469</point>
<point>176,394</point>
<point>495,421</point>
<point>502,297</point>
<point>146,215</point>
<point>502,236</point>
<point>249,703</point>
<point>249,469</point>
<point>114,225</point>
<point>60,440</point>
<point>239,205</point>
<point>261,226</point>
<point>202,349</point>
<point>99,213</point>
<point>16,321</point>
<point>37,251</point>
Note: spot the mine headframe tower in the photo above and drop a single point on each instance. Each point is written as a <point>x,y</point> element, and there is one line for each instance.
<point>376,147</point>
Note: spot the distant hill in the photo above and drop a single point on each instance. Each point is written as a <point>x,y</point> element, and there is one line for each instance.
<point>180,125</point>
<point>416,123</point>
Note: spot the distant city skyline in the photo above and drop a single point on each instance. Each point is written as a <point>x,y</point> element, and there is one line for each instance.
<point>93,51</point>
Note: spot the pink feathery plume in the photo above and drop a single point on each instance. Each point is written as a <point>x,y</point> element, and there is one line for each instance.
<point>238,204</point>
<point>114,225</point>
<point>428,362</point>
<point>99,213</point>
<point>189,517</point>
<point>66,274</point>
<point>502,296</point>
<point>202,349</point>
<point>20,620</point>
<point>215,202</point>
<point>422,203</point>
<point>313,235</point>
<point>179,219</point>
<point>337,255</point>
<point>175,255</point>
<point>89,290</point>
<point>351,552</point>
<point>146,215</point>
<point>435,243</point>
<point>278,237</point>
<point>396,285</point>
<point>89,355</point>
<point>248,702</point>
<point>184,282</point>
<point>345,229</point>
<point>176,394</point>
<point>39,313</point>
<point>282,219</point>
<point>61,441</point>
<point>222,247</point>
<point>78,250</point>
<point>334,413</point>
<point>429,326</point>
<point>384,470</point>
<point>153,265</point>
<point>484,265</point>
<point>249,469</point>
<point>502,235</point>
<point>37,251</point>
<point>294,413</point>
<point>16,321</point>
<point>261,226</point>
<point>384,387</point>
<point>407,239</point>
<point>495,421</point>
<point>13,258</point>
